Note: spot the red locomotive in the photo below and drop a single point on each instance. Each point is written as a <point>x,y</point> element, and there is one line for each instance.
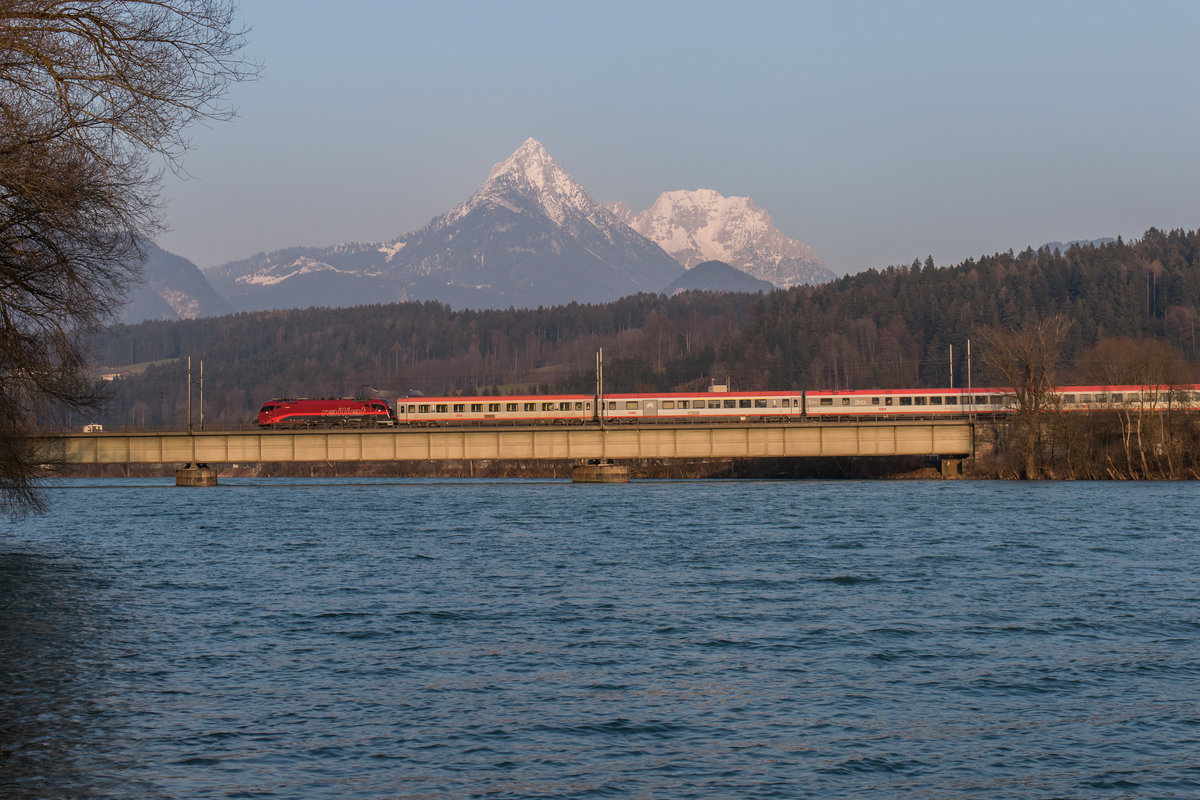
<point>341,412</point>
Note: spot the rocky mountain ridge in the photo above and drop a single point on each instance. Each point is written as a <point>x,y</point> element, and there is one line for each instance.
<point>530,235</point>
<point>703,225</point>
<point>171,288</point>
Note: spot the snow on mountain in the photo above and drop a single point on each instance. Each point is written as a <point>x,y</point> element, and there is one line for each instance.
<point>533,174</point>
<point>703,225</point>
<point>531,235</point>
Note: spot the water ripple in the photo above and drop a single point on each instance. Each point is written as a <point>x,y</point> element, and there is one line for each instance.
<point>426,639</point>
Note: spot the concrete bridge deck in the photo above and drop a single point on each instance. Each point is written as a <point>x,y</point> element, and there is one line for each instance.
<point>948,439</point>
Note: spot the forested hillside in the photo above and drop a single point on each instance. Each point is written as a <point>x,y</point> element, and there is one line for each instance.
<point>887,328</point>
<point>896,327</point>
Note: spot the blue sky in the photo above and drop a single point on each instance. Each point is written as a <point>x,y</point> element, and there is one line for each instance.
<point>874,132</point>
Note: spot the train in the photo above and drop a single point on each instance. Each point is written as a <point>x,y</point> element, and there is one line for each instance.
<point>792,406</point>
<point>328,412</point>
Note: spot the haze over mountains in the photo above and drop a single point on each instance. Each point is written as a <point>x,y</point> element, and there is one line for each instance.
<point>173,288</point>
<point>531,235</point>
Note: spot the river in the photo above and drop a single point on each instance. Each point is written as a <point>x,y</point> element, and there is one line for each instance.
<point>540,639</point>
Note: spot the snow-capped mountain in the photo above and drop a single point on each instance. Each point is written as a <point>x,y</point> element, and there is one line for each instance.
<point>531,235</point>
<point>702,225</point>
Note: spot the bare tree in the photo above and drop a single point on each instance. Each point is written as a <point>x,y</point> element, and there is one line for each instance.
<point>1158,370</point>
<point>95,99</point>
<point>1026,360</point>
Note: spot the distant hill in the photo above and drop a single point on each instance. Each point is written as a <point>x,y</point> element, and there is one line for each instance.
<point>717,276</point>
<point>1062,247</point>
<point>171,288</point>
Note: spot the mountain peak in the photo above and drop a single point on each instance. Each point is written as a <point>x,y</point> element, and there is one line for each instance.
<point>530,158</point>
<point>531,174</point>
<point>704,225</point>
<point>531,235</point>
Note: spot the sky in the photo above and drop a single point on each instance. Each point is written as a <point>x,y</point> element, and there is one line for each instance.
<point>876,132</point>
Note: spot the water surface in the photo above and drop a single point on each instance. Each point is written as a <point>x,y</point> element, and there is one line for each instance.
<point>523,639</point>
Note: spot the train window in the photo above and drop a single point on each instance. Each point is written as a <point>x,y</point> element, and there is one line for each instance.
<point>826,401</point>
<point>744,402</point>
<point>564,406</point>
<point>669,404</point>
<point>1069,398</point>
<point>906,401</point>
<point>731,403</point>
<point>459,408</point>
<point>477,407</point>
<point>531,406</point>
<point>920,401</point>
<point>951,401</point>
<point>612,405</point>
<point>423,409</point>
<point>631,405</point>
<point>683,403</point>
<point>579,406</point>
<point>587,406</point>
<point>714,403</point>
<point>935,400</point>
<point>547,406</point>
<point>493,407</point>
<point>510,406</point>
<point>845,401</point>
<point>440,408</point>
<point>760,403</point>
<point>887,401</point>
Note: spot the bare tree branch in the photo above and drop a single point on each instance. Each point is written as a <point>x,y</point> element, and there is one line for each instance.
<point>92,94</point>
<point>1026,361</point>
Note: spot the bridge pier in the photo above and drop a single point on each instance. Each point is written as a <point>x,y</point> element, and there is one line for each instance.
<point>195,475</point>
<point>599,471</point>
<point>952,467</point>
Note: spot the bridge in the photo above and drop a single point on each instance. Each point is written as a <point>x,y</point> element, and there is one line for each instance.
<point>941,438</point>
